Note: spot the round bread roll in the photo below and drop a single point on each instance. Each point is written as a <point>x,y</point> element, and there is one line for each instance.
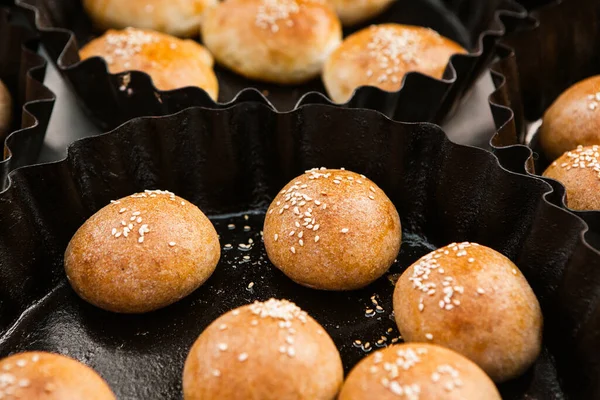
<point>174,17</point>
<point>142,253</point>
<point>266,350</point>
<point>333,230</point>
<point>475,301</point>
<point>46,376</point>
<point>172,63</point>
<point>381,55</point>
<point>5,110</point>
<point>352,12</point>
<point>572,120</point>
<point>281,41</point>
<point>417,371</point>
<point>579,172</point>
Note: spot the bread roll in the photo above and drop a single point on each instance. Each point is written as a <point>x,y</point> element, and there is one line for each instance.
<point>280,41</point>
<point>579,172</point>
<point>6,109</point>
<point>475,301</point>
<point>174,17</point>
<point>572,120</point>
<point>142,253</point>
<point>45,376</point>
<point>333,230</point>
<point>172,63</point>
<point>352,12</point>
<point>381,55</point>
<point>267,350</point>
<point>418,371</point>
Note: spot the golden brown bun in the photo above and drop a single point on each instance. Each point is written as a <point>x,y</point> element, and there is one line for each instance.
<point>579,172</point>
<point>382,54</point>
<point>5,110</point>
<point>281,41</point>
<point>45,376</point>
<point>333,230</point>
<point>142,253</point>
<point>172,63</point>
<point>269,350</point>
<point>475,301</point>
<point>418,371</point>
<point>352,12</point>
<point>572,120</point>
<point>174,17</point>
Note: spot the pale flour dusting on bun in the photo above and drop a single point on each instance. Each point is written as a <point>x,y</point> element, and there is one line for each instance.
<point>142,252</point>
<point>266,350</point>
<point>333,230</point>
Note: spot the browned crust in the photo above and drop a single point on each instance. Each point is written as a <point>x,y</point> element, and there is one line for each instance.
<point>358,61</point>
<point>497,322</point>
<point>572,119</point>
<point>172,63</point>
<point>374,376</point>
<point>257,362</point>
<point>287,51</point>
<point>340,259</point>
<point>174,17</point>
<point>352,12</point>
<point>45,376</point>
<point>120,274</point>
<point>578,170</point>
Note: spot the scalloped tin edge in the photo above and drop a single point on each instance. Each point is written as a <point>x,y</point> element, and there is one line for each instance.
<point>449,89</point>
<point>22,147</point>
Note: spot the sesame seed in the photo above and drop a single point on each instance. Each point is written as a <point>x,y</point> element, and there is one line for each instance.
<point>122,210</point>
<point>222,346</point>
<point>141,239</point>
<point>372,197</point>
<point>276,236</point>
<point>514,271</point>
<point>480,291</point>
<point>317,238</point>
<point>172,244</point>
<point>293,250</point>
<point>222,327</point>
<point>114,230</point>
<point>471,260</point>
<point>216,372</point>
<point>250,285</point>
<point>301,242</point>
<point>429,336</point>
<point>243,357</point>
<point>344,230</point>
<point>291,352</point>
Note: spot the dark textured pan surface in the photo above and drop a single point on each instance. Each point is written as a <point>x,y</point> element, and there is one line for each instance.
<point>232,162</point>
<point>22,71</point>
<point>478,25</point>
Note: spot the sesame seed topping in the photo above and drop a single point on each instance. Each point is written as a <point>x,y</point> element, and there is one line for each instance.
<point>222,346</point>
<point>429,336</point>
<point>222,327</point>
<point>127,43</point>
<point>172,244</point>
<point>293,250</point>
<point>250,285</point>
<point>480,291</point>
<point>216,372</point>
<point>344,230</point>
<point>243,357</point>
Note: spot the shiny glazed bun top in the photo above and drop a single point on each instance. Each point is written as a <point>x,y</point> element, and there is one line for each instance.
<point>172,63</point>
<point>46,376</point>
<point>579,172</point>
<point>280,41</point>
<point>572,120</point>
<point>174,17</point>
<point>381,55</point>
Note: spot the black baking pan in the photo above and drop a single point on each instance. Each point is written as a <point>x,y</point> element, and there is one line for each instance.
<point>22,71</point>
<point>477,25</point>
<point>230,163</point>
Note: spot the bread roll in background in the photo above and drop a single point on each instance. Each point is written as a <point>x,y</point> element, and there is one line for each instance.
<point>266,350</point>
<point>417,371</point>
<point>172,63</point>
<point>142,252</point>
<point>174,17</point>
<point>46,376</point>
<point>279,41</point>
<point>6,109</point>
<point>381,55</point>
<point>579,171</point>
<point>572,120</point>
<point>352,12</point>
<point>333,230</point>
<point>475,301</point>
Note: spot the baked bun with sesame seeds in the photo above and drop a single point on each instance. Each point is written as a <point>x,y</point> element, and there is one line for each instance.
<point>381,55</point>
<point>333,230</point>
<point>579,172</point>
<point>265,350</point>
<point>172,63</point>
<point>417,371</point>
<point>6,109</point>
<point>46,376</point>
<point>352,12</point>
<point>174,17</point>
<point>280,41</point>
<point>142,252</point>
<point>475,301</point>
<point>572,120</point>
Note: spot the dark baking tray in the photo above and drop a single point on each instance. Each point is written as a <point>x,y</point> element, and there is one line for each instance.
<point>230,163</point>
<point>22,70</point>
<point>477,25</point>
